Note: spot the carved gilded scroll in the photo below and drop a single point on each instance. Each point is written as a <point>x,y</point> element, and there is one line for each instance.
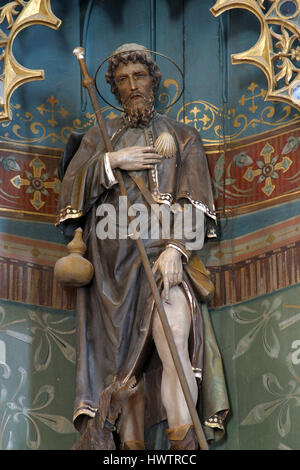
<point>19,14</point>
<point>277,51</point>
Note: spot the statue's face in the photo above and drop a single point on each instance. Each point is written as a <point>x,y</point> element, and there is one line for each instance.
<point>134,83</point>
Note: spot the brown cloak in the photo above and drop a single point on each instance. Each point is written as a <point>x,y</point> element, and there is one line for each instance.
<point>114,311</point>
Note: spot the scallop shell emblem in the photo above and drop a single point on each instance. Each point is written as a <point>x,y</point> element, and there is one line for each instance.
<point>165,145</point>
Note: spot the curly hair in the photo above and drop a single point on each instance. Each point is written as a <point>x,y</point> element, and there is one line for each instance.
<point>132,56</point>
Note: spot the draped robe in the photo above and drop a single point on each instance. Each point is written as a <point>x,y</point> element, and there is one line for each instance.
<point>114,312</point>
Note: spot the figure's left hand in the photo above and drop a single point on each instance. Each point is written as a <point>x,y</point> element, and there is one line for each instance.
<point>169,264</point>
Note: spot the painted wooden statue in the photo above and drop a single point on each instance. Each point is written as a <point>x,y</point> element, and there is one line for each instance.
<point>121,343</point>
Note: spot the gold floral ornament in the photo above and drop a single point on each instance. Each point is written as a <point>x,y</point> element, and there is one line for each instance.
<point>277,51</point>
<point>37,183</point>
<point>19,14</point>
<point>267,171</point>
<point>42,109</point>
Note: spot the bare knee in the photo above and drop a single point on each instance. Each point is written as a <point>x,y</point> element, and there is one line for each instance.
<point>178,315</point>
<point>180,338</point>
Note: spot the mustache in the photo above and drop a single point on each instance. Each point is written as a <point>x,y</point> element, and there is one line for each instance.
<point>134,95</point>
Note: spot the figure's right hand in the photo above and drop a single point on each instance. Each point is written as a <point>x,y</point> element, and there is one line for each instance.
<point>134,158</point>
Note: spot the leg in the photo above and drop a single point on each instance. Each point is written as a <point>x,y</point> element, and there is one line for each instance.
<point>179,317</point>
<point>132,420</point>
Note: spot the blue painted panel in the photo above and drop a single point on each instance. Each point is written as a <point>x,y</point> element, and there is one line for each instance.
<point>243,30</point>
<point>38,231</point>
<point>186,31</point>
<point>169,40</point>
<point>202,54</point>
<point>112,24</point>
<point>244,224</point>
<point>40,47</point>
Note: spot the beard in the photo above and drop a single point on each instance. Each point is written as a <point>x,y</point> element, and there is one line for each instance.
<point>139,113</point>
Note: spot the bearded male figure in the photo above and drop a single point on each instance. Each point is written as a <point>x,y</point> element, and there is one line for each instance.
<point>119,333</point>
